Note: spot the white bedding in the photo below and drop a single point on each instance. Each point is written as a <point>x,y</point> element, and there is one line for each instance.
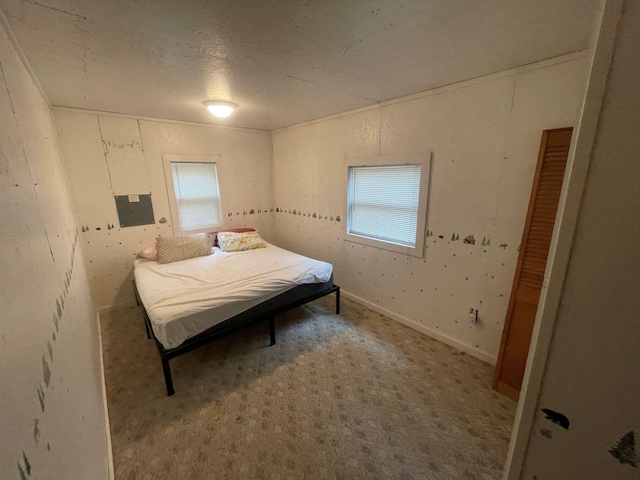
<point>185,298</point>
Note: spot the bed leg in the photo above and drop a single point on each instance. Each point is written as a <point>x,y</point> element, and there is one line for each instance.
<point>135,293</point>
<point>167,377</point>
<point>338,301</point>
<point>146,327</point>
<point>145,319</point>
<point>272,331</point>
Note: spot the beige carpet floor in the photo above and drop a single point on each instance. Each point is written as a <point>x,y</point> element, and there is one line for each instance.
<point>348,396</point>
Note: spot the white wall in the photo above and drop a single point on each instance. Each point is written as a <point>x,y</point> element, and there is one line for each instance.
<point>51,407</point>
<point>591,374</point>
<point>485,136</point>
<point>109,155</point>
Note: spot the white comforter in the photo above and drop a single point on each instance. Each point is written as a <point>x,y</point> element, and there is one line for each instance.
<point>185,298</point>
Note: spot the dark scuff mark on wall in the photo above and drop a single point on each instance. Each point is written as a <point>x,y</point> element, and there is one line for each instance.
<point>545,432</point>
<point>46,371</point>
<point>49,244</point>
<point>625,450</point>
<point>41,397</point>
<point>503,246</point>
<point>36,431</point>
<point>557,418</point>
<point>24,472</point>
<point>164,220</point>
<point>338,218</point>
<point>470,240</point>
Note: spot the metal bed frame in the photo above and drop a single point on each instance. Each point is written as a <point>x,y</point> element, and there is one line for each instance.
<point>267,310</point>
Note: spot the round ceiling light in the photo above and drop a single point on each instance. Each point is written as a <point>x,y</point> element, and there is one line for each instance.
<point>220,108</point>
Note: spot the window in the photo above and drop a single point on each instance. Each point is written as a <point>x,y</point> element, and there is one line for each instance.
<point>386,203</point>
<point>194,193</point>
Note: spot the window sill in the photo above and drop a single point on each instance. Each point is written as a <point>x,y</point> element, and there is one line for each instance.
<point>391,247</point>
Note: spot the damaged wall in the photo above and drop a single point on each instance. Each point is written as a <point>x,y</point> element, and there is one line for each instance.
<point>484,135</point>
<point>52,414</point>
<point>591,374</point>
<point>109,155</point>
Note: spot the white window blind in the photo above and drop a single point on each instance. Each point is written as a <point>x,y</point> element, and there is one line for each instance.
<point>383,203</point>
<point>197,194</point>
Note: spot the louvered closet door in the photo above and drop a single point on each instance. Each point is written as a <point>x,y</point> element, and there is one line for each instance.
<point>532,261</point>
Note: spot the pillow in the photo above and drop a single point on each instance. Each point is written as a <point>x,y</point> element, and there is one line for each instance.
<point>235,230</point>
<point>239,242</point>
<point>150,252</point>
<point>174,249</point>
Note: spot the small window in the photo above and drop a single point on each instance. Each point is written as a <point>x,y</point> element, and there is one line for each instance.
<point>194,193</point>
<point>386,205</point>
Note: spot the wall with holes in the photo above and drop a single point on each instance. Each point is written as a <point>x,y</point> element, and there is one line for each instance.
<point>51,406</point>
<point>108,155</point>
<point>484,135</point>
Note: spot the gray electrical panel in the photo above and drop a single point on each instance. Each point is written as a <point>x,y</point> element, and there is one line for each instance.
<point>134,210</point>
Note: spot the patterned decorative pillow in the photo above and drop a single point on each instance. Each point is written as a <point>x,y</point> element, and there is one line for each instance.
<point>239,242</point>
<point>235,230</point>
<point>174,249</point>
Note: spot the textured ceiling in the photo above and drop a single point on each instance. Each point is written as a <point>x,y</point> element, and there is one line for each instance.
<point>282,61</point>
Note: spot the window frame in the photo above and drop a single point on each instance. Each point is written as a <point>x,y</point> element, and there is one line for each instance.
<point>422,159</point>
<point>168,159</point>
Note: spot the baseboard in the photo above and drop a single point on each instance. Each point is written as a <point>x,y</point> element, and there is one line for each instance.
<point>508,391</point>
<point>104,399</point>
<point>110,308</point>
<point>422,329</point>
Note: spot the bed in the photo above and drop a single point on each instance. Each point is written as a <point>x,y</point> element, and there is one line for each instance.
<point>192,302</point>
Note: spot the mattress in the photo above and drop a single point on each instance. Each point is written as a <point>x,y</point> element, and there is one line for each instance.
<point>185,298</point>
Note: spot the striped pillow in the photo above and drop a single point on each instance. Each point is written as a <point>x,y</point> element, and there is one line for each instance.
<point>174,249</point>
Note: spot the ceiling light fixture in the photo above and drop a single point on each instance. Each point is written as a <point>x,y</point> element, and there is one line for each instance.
<point>220,108</point>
